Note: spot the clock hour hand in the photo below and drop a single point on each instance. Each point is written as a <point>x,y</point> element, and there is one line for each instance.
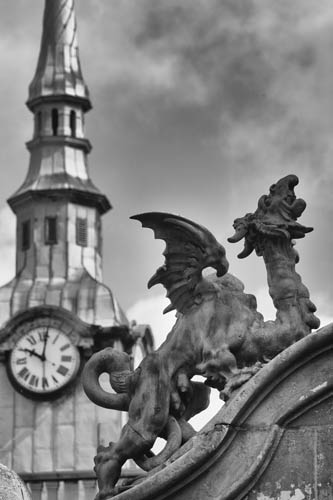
<point>39,356</point>
<point>33,353</point>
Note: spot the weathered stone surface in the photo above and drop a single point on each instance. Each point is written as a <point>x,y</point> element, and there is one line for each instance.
<point>6,389</point>
<point>43,425</point>
<point>302,464</point>
<point>272,440</point>
<point>64,413</point>
<point>23,446</point>
<point>71,490</point>
<point>11,486</point>
<point>89,489</point>
<point>52,488</point>
<point>43,459</point>
<point>24,409</point>
<point>36,490</point>
<point>6,429</point>
<point>65,447</point>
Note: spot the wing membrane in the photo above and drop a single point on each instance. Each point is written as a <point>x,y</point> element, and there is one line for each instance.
<point>190,248</point>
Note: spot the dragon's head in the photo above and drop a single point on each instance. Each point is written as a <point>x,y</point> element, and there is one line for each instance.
<point>275,216</point>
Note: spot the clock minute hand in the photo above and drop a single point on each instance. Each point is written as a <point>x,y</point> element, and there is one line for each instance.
<point>46,337</point>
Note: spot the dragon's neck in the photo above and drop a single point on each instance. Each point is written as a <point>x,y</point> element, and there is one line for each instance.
<point>290,296</point>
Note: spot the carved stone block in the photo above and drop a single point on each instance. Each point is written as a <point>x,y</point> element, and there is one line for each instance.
<point>272,440</point>
<point>11,486</point>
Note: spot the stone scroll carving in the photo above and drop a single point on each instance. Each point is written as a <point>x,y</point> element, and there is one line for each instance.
<point>218,334</point>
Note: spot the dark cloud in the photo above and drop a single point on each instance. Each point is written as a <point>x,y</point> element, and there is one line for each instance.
<point>198,107</point>
<point>232,61</point>
<point>305,57</point>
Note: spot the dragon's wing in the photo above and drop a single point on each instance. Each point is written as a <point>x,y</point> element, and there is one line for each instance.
<point>190,248</point>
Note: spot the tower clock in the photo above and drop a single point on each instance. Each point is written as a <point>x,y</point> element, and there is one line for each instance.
<point>43,361</point>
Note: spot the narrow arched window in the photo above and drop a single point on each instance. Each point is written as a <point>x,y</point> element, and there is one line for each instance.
<point>72,123</point>
<point>55,121</point>
<point>39,122</point>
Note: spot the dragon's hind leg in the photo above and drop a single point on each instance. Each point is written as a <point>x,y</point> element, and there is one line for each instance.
<point>110,459</point>
<point>107,468</point>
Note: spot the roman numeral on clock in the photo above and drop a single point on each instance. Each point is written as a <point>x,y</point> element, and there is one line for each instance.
<point>62,370</point>
<point>42,334</point>
<point>55,340</point>
<point>31,340</point>
<point>24,373</point>
<point>34,381</point>
<point>21,361</point>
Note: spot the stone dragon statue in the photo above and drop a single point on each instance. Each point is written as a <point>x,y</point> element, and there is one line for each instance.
<point>219,333</point>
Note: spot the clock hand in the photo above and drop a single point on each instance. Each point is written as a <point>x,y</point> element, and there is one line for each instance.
<point>39,356</point>
<point>33,353</point>
<point>46,337</point>
<point>43,379</point>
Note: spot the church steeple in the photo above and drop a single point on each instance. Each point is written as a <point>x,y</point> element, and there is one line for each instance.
<point>58,98</point>
<point>58,208</point>
<point>58,70</point>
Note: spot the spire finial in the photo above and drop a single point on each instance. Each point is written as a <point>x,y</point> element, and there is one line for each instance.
<point>58,70</point>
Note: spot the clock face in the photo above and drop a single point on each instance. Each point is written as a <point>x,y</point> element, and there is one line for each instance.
<point>43,361</point>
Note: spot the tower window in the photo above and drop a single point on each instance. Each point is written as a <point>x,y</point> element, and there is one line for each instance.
<point>50,230</point>
<point>25,235</point>
<point>55,121</point>
<point>72,123</point>
<point>99,235</point>
<point>81,232</point>
<point>39,122</point>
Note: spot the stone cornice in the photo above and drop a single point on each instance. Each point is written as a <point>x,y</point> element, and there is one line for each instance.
<point>59,140</point>
<point>78,196</point>
<point>59,98</point>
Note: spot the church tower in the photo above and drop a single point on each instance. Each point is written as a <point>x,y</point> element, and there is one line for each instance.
<point>57,311</point>
<point>58,208</point>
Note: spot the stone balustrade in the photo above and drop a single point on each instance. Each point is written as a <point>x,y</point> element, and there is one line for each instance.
<point>67,485</point>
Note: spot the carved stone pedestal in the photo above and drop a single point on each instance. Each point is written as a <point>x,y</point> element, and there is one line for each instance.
<point>272,440</point>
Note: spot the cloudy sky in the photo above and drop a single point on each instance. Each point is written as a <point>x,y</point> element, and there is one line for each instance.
<point>199,106</point>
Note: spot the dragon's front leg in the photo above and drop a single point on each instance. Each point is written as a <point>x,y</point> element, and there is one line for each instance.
<point>238,379</point>
<point>221,371</point>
